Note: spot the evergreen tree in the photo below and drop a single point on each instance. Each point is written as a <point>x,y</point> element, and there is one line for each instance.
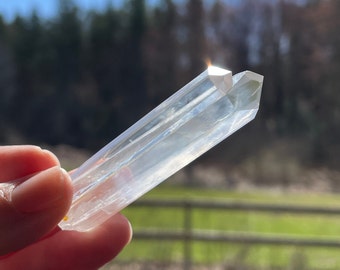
<point>105,45</point>
<point>7,79</point>
<point>62,119</point>
<point>22,41</point>
<point>133,66</point>
<point>196,41</point>
<point>161,52</point>
<point>218,33</point>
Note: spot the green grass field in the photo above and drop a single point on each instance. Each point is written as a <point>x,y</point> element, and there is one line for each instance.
<point>256,256</point>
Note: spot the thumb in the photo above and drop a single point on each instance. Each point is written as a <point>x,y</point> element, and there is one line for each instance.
<point>32,208</point>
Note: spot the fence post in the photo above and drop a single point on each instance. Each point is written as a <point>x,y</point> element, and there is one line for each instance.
<point>187,235</point>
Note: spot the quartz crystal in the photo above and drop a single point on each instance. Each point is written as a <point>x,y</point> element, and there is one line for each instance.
<point>197,117</point>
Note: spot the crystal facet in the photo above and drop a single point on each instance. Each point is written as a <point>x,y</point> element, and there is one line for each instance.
<point>197,117</point>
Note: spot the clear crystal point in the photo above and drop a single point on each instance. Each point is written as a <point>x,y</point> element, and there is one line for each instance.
<point>197,117</point>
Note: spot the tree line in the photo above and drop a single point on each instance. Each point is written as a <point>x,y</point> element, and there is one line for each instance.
<point>81,78</point>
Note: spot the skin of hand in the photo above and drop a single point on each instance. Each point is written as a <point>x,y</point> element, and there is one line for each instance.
<point>35,194</point>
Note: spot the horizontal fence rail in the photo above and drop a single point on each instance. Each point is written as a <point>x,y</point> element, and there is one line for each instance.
<point>237,206</point>
<point>235,238</point>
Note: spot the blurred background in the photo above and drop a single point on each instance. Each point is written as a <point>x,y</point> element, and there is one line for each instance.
<point>75,74</point>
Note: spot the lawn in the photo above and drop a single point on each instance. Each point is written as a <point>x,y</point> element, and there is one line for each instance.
<point>257,256</point>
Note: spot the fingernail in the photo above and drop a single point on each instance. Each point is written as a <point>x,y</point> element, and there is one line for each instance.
<point>42,191</point>
<point>131,232</point>
<point>51,155</point>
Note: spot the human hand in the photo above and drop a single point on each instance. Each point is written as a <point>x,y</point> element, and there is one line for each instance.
<point>35,194</point>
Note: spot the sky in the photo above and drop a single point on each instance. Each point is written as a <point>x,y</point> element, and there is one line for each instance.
<point>48,8</point>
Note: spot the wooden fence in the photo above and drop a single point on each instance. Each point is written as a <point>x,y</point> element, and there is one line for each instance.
<point>188,234</point>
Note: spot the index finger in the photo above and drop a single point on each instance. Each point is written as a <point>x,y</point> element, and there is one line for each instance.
<point>22,160</point>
